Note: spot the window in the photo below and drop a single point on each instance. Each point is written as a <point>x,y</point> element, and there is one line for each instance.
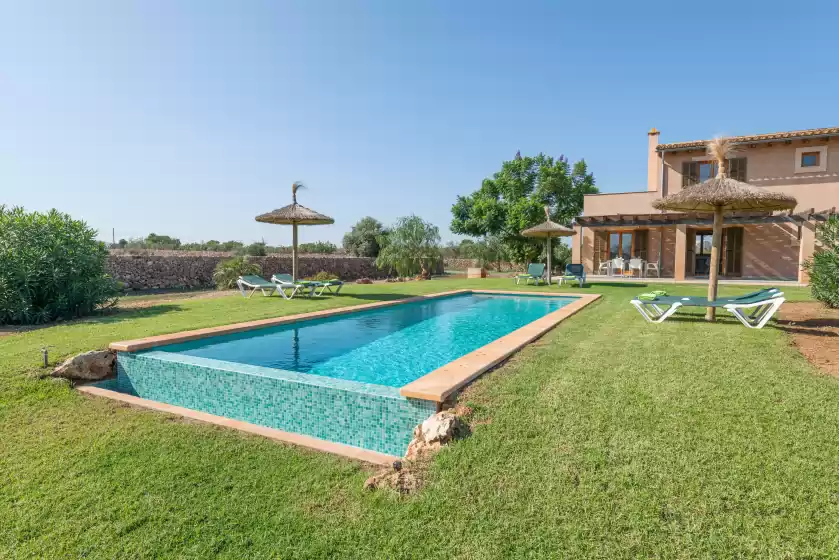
<point>694,172</point>
<point>628,244</point>
<point>811,159</point>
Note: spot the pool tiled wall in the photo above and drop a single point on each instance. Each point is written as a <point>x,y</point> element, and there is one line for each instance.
<point>359,414</point>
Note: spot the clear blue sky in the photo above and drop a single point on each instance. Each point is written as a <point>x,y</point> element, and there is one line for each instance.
<point>189,118</point>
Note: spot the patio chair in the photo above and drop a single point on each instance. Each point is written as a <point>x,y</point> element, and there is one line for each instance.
<point>576,271</point>
<point>255,283</point>
<point>605,267</point>
<point>636,264</point>
<point>617,266</point>
<point>285,282</point>
<point>652,267</point>
<point>535,271</point>
<point>753,310</point>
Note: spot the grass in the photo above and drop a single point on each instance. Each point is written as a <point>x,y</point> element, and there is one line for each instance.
<point>609,437</point>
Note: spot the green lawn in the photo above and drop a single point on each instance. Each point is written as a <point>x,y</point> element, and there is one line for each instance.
<point>609,437</point>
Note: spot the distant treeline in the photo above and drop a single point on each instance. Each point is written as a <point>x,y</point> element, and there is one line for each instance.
<point>154,241</point>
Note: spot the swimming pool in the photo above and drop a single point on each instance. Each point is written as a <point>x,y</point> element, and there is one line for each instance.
<point>351,376</point>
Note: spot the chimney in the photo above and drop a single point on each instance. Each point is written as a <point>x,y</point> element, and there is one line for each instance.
<point>653,161</point>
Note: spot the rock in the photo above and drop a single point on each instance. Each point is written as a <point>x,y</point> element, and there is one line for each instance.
<point>406,477</point>
<point>402,481</point>
<point>433,433</point>
<point>440,428</point>
<point>88,366</point>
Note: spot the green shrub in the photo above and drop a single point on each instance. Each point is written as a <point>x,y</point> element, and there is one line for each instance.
<point>254,250</point>
<point>323,276</point>
<point>227,272</point>
<point>51,267</point>
<point>318,247</point>
<point>823,268</point>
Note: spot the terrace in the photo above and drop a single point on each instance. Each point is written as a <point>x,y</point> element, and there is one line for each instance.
<point>608,436</point>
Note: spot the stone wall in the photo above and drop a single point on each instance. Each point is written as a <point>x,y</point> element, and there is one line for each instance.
<point>463,264</point>
<point>143,270</point>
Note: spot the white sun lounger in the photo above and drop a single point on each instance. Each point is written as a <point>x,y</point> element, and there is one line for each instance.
<point>753,310</point>
<point>284,282</point>
<point>254,283</point>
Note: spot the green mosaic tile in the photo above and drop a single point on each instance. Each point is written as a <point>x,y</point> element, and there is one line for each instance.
<point>359,414</point>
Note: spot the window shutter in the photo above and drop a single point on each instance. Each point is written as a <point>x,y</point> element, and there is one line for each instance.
<point>685,173</point>
<point>737,169</point>
<point>641,238</point>
<point>734,251</point>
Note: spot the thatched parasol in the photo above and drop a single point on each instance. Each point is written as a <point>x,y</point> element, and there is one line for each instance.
<point>719,195</point>
<point>547,230</point>
<point>295,215</point>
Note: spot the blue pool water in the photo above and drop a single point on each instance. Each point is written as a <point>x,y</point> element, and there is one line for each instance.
<point>391,346</point>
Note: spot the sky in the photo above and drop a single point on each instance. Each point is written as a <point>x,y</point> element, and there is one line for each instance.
<point>189,118</point>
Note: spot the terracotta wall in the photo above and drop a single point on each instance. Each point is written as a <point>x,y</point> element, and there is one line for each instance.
<point>774,168</point>
<point>668,255</point>
<point>770,251</point>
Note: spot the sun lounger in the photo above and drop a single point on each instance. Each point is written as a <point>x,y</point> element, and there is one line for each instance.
<point>575,271</point>
<point>535,271</point>
<point>753,310</point>
<point>254,283</point>
<point>284,282</point>
<point>327,286</point>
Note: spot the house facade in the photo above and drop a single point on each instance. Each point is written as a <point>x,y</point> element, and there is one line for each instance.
<point>756,245</point>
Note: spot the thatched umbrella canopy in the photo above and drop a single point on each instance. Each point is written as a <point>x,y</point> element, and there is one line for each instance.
<point>719,195</point>
<point>546,230</point>
<point>295,215</point>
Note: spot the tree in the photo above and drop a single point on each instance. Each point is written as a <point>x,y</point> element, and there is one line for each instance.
<point>363,239</point>
<point>162,242</point>
<point>515,197</point>
<point>410,247</point>
<point>823,267</point>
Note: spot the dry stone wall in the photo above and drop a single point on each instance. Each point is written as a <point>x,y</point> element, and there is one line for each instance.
<point>187,270</point>
<point>463,264</point>
<point>144,270</point>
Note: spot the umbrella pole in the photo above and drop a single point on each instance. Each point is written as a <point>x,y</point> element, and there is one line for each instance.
<point>294,252</point>
<point>549,260</point>
<point>710,315</point>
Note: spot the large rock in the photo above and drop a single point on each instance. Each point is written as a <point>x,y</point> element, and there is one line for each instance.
<point>88,366</point>
<point>441,427</point>
<point>435,432</point>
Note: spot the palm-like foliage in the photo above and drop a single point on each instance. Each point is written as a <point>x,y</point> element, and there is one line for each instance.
<point>51,267</point>
<point>227,272</point>
<point>410,247</point>
<point>721,149</point>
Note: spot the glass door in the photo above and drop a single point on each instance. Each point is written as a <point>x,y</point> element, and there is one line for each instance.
<point>620,245</point>
<point>702,252</point>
